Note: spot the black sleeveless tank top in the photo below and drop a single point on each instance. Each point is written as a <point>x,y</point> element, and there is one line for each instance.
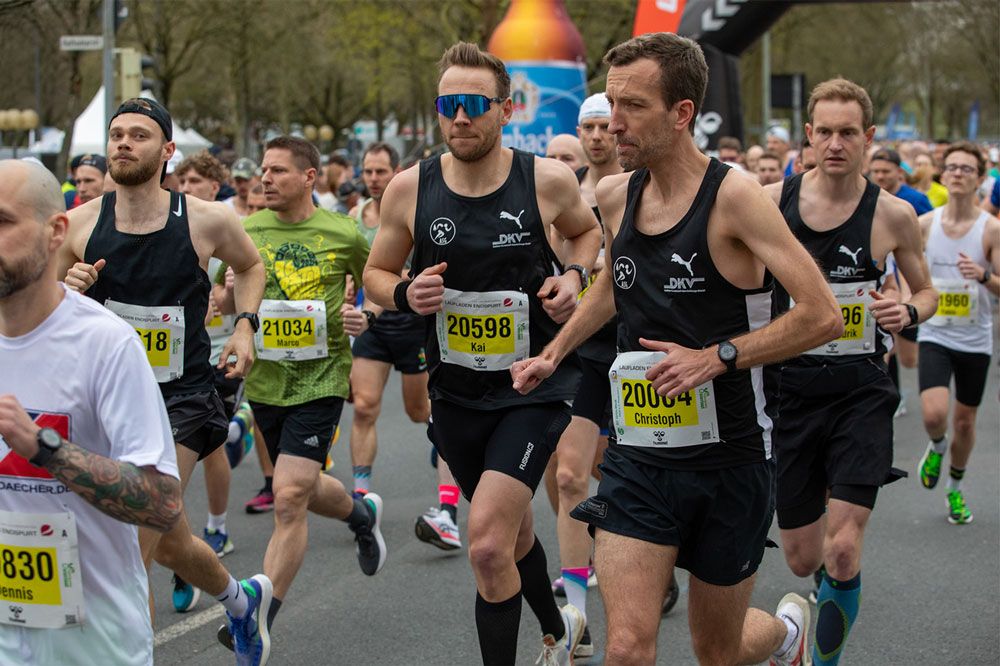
<point>844,256</point>
<point>600,346</point>
<point>157,269</point>
<point>491,243</point>
<point>667,288</point>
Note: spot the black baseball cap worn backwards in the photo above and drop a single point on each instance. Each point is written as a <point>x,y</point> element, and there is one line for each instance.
<point>151,109</point>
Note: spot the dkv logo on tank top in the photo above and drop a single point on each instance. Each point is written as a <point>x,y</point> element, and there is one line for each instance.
<point>512,238</point>
<point>684,284</point>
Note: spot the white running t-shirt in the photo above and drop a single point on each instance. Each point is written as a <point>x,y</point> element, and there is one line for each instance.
<point>84,373</point>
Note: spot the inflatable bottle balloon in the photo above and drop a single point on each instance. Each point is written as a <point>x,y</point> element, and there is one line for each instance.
<point>545,57</point>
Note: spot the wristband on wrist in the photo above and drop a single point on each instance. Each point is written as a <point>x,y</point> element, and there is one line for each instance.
<point>399,297</point>
<point>370,317</point>
<point>987,274</point>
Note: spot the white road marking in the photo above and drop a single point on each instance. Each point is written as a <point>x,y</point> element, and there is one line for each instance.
<point>189,624</point>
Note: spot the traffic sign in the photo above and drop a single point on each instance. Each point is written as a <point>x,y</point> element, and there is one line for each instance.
<point>81,42</point>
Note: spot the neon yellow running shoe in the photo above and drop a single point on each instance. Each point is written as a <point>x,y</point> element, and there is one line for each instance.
<point>958,513</point>
<point>930,467</point>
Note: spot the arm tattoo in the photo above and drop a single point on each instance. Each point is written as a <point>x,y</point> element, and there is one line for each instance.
<point>138,495</point>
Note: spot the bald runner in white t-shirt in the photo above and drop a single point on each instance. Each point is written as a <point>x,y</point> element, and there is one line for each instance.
<point>86,452</point>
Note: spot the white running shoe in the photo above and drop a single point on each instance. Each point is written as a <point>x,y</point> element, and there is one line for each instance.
<point>438,529</point>
<point>560,653</point>
<point>796,610</point>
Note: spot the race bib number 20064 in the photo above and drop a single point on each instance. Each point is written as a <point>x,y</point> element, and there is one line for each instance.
<point>642,417</point>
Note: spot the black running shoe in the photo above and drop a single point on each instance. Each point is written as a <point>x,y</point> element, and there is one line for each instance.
<point>369,544</point>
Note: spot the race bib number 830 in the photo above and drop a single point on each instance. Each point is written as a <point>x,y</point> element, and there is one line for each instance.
<point>33,570</point>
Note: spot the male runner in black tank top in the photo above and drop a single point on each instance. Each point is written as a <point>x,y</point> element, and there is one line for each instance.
<point>688,480</point>
<point>147,249</point>
<point>477,220</point>
<point>833,430</point>
<point>582,444</point>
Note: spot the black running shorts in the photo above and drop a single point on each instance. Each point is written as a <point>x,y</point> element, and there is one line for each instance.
<point>593,397</point>
<point>516,441</point>
<point>302,430</point>
<point>718,519</point>
<point>833,428</point>
<point>198,421</point>
<point>937,364</point>
<point>396,338</point>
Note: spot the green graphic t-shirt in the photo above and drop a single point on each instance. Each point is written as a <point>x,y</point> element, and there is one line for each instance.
<point>308,260</point>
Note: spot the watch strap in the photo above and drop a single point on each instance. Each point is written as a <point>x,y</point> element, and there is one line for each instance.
<point>582,271</point>
<point>250,317</point>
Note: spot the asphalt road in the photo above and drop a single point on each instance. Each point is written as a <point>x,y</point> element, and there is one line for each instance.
<point>930,588</point>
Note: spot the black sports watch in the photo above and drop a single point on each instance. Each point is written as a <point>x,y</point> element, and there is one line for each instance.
<point>727,354</point>
<point>583,274</point>
<point>914,315</point>
<point>371,317</point>
<point>250,317</point>
<point>49,442</point>
<point>987,274</point>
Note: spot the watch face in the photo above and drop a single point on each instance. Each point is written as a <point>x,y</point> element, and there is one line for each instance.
<point>727,352</point>
<point>49,437</point>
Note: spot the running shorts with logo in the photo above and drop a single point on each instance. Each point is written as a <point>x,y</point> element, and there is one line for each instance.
<point>938,363</point>
<point>833,432</point>
<point>303,431</point>
<point>516,441</point>
<point>396,338</point>
<point>717,518</point>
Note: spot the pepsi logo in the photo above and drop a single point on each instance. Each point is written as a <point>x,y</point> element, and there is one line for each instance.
<point>45,530</point>
<point>507,302</point>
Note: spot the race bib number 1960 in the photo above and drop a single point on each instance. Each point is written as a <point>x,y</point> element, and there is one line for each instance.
<point>483,330</point>
<point>958,302</point>
<point>642,417</point>
<point>40,583</point>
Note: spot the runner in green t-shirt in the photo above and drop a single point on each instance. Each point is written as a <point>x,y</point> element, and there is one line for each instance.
<point>300,380</point>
